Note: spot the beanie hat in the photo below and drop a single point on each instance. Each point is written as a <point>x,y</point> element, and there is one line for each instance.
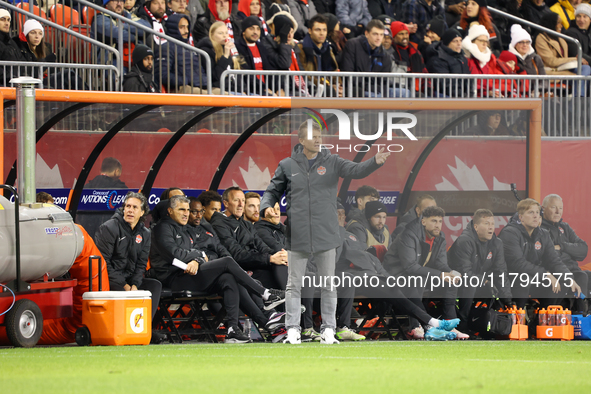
<point>332,21</point>
<point>5,14</point>
<point>583,8</point>
<point>477,31</point>
<point>449,36</point>
<point>250,21</point>
<point>397,27</point>
<point>140,52</point>
<point>481,3</point>
<point>507,56</point>
<point>32,24</point>
<point>437,25</point>
<point>373,208</point>
<point>387,32</point>
<point>518,34</point>
<point>386,19</point>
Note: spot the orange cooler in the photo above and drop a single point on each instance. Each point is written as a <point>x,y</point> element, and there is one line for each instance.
<point>118,317</point>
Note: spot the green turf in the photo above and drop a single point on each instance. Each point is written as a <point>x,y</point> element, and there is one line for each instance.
<point>366,367</point>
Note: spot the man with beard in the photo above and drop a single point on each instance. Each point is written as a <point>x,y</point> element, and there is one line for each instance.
<point>375,232</point>
<point>154,13</point>
<point>217,10</point>
<point>139,78</point>
<point>252,206</point>
<point>406,54</point>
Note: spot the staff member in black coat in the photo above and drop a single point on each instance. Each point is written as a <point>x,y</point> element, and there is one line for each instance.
<point>529,250</point>
<point>140,78</point>
<point>479,253</point>
<point>125,242</point>
<point>446,57</point>
<point>570,248</point>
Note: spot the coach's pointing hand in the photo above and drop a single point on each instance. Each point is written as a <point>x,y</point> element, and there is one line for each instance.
<point>381,156</point>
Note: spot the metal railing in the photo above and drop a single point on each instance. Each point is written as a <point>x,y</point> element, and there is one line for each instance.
<point>566,107</point>
<point>71,76</point>
<point>19,19</point>
<point>545,30</point>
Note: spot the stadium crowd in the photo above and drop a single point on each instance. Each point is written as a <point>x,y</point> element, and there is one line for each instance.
<point>397,36</point>
<point>245,253</point>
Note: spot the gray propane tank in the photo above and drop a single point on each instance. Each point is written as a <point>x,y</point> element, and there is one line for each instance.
<point>50,241</point>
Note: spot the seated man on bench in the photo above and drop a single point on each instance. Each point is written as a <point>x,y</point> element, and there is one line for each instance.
<point>171,240</point>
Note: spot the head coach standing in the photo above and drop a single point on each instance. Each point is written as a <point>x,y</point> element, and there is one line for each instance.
<point>309,178</point>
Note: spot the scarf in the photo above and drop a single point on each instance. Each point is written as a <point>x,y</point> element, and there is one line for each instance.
<point>157,25</point>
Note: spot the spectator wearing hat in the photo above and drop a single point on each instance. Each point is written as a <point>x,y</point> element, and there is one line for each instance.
<point>354,16</point>
<point>566,11</point>
<point>387,43</point>
<point>476,12</point>
<point>446,57</point>
<point>417,13</point>
<point>140,78</point>
<point>580,31</point>
<point>177,69</point>
<point>32,45</point>
<point>507,64</point>
<point>375,231</point>
<point>482,61</point>
<point>302,11</point>
<point>435,29</point>
<point>217,10</point>
<point>335,36</point>
<point>521,47</point>
<point>407,57</point>
<point>554,51</point>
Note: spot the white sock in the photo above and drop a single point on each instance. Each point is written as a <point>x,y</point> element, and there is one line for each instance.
<point>266,294</point>
<point>434,322</point>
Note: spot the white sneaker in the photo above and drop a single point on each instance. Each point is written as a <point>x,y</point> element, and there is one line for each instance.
<point>327,337</point>
<point>460,335</point>
<point>293,337</point>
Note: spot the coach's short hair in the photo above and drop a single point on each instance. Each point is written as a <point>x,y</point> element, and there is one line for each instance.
<point>365,191</point>
<point>110,164</point>
<point>226,195</point>
<point>303,129</point>
<point>481,214</point>
<point>208,196</point>
<point>549,197</point>
<point>433,211</point>
<point>378,24</point>
<point>176,200</point>
<point>524,205</point>
<point>251,195</point>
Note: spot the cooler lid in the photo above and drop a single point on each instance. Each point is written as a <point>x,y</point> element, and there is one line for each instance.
<point>117,295</point>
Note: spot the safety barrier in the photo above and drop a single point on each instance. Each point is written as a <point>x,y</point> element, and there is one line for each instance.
<point>565,111</point>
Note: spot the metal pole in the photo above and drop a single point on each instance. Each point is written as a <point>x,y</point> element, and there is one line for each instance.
<point>26,140</point>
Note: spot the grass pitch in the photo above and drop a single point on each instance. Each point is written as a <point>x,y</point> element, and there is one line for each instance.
<point>360,367</point>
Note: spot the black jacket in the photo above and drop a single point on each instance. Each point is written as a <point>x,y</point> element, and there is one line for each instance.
<point>446,61</point>
<point>311,196</point>
<point>533,254</point>
<point>125,250</point>
<point>353,258</point>
<point>217,67</point>
<point>468,255</point>
<point>359,57</point>
<point>204,22</point>
<point>403,221</point>
<point>241,240</point>
<point>205,239</point>
<point>139,81</point>
<point>9,51</point>
<point>584,38</point>
<point>409,252</point>
<point>572,248</point>
<point>273,235</point>
<point>105,182</point>
<point>170,241</point>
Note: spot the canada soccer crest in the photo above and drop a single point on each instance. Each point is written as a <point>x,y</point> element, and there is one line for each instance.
<point>561,230</point>
<point>489,256</point>
<point>538,245</point>
<point>138,239</point>
<point>321,170</point>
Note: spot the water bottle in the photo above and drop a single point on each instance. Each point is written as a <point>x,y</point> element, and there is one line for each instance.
<point>247,325</point>
<point>543,317</point>
<point>560,318</point>
<point>521,316</point>
<point>568,316</point>
<point>551,317</point>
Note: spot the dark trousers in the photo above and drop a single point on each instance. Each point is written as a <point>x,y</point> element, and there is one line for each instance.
<point>466,297</point>
<point>152,285</point>
<point>220,276</point>
<point>274,277</point>
<point>252,305</point>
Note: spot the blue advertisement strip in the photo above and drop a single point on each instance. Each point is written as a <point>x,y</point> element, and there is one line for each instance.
<point>109,200</point>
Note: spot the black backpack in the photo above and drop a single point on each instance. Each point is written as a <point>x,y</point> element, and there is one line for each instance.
<point>489,323</point>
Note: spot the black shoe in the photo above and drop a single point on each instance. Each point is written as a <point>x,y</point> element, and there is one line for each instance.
<point>277,297</point>
<point>276,320</point>
<point>158,338</point>
<point>235,335</point>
